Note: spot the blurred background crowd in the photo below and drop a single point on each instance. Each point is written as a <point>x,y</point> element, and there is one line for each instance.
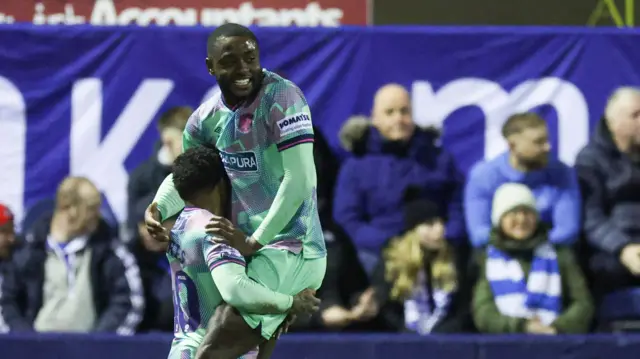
<point>413,245</point>
<point>522,242</point>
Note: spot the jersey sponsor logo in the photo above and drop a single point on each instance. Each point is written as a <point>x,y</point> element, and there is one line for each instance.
<point>244,122</point>
<point>240,161</point>
<point>294,123</point>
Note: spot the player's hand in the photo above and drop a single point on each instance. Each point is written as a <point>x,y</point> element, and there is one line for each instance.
<point>305,302</point>
<point>224,232</point>
<point>284,327</point>
<point>152,222</point>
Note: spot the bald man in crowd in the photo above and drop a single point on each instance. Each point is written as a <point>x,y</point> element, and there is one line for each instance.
<point>70,275</point>
<point>392,156</point>
<point>609,173</point>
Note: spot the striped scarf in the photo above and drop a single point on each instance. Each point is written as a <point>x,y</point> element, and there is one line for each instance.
<point>539,297</point>
<point>419,316</point>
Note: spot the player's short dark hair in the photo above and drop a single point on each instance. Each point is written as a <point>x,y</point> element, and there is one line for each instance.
<point>197,169</point>
<point>175,117</point>
<point>520,121</point>
<point>229,30</point>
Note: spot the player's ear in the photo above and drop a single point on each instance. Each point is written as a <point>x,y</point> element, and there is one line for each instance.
<point>209,63</point>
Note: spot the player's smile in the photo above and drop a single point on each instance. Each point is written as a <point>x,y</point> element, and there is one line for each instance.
<point>244,85</point>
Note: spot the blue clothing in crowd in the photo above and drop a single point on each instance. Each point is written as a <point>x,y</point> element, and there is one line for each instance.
<point>555,187</point>
<point>370,190</point>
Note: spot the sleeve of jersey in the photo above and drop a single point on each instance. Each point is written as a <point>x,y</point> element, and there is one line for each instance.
<point>192,134</point>
<point>168,199</point>
<point>298,184</point>
<point>236,288</point>
<point>290,117</point>
<point>218,254</point>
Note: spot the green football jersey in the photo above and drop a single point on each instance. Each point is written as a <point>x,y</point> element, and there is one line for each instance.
<point>250,138</point>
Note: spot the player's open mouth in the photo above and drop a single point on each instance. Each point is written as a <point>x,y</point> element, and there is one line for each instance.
<point>242,84</point>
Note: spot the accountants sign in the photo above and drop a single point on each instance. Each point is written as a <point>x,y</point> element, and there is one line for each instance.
<point>328,13</point>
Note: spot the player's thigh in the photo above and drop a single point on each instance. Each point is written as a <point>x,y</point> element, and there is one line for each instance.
<point>283,272</point>
<point>312,272</point>
<point>286,272</point>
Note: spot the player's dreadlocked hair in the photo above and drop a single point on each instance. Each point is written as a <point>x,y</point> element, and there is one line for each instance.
<point>229,30</point>
<point>200,168</point>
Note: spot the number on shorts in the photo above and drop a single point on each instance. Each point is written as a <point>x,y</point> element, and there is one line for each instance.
<point>187,314</point>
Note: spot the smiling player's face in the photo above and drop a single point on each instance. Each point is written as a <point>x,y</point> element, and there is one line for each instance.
<point>236,65</point>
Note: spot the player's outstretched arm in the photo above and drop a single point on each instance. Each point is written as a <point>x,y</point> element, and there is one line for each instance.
<point>291,129</point>
<point>228,269</point>
<point>240,292</point>
<point>297,185</point>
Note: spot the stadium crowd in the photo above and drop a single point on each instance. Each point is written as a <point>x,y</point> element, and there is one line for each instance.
<point>524,244</point>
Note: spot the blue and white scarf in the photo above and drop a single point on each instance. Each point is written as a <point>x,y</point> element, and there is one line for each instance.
<point>419,316</point>
<point>540,296</point>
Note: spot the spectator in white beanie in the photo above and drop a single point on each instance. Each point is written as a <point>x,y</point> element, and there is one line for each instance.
<point>510,196</point>
<point>527,284</point>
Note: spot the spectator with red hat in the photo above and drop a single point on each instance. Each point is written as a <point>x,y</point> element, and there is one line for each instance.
<point>7,240</point>
<point>7,233</point>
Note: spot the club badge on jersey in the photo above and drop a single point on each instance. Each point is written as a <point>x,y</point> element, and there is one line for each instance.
<point>245,122</point>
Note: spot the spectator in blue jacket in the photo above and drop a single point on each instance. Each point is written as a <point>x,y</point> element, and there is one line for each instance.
<point>70,275</point>
<point>528,162</point>
<point>609,173</point>
<point>391,156</point>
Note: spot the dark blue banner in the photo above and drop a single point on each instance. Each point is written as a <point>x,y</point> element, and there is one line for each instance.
<point>81,100</point>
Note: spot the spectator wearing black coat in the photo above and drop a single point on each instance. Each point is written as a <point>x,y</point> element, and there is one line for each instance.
<point>143,184</point>
<point>147,177</point>
<point>609,174</point>
<point>70,274</point>
<point>345,278</point>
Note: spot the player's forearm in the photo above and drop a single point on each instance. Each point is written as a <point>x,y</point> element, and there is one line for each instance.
<point>168,199</point>
<point>297,186</point>
<point>239,291</point>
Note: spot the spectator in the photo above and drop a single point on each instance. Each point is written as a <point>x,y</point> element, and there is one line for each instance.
<point>71,275</point>
<point>609,172</point>
<point>369,192</point>
<point>146,178</point>
<point>345,278</point>
<point>7,234</point>
<point>421,282</point>
<point>7,240</point>
<point>327,166</point>
<point>143,184</point>
<point>156,277</point>
<point>528,162</point>
<point>343,283</point>
<point>527,285</point>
